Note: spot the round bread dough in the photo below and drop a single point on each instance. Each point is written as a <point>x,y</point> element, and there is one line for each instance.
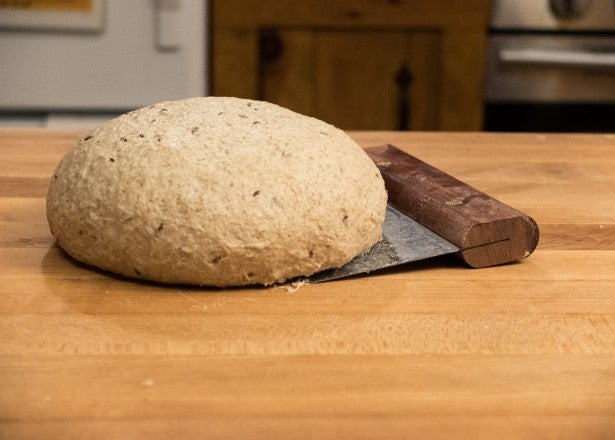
<point>216,191</point>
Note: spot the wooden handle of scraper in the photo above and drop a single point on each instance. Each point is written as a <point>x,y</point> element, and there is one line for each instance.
<point>487,231</point>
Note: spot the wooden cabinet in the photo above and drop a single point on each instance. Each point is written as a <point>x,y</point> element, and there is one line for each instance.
<point>356,64</point>
<point>355,79</point>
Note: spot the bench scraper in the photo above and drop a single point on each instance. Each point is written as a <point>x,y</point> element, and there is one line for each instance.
<point>430,213</point>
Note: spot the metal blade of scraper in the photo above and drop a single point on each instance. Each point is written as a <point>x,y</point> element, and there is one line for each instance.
<point>403,240</point>
<point>484,231</point>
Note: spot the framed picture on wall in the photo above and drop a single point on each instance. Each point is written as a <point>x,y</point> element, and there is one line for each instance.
<point>53,15</point>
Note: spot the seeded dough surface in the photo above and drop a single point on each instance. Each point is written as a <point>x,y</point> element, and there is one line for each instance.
<point>216,191</point>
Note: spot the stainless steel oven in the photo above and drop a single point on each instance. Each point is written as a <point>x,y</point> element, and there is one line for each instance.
<point>551,66</point>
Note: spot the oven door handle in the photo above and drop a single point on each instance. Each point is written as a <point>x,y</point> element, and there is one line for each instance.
<point>558,58</point>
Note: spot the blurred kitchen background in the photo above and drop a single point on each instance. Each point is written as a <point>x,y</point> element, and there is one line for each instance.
<point>497,65</point>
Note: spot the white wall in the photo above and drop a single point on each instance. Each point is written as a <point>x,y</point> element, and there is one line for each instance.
<point>118,69</point>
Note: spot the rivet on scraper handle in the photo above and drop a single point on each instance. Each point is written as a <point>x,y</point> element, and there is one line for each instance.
<point>487,231</point>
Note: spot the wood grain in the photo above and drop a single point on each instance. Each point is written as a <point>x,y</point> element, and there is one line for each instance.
<point>486,231</point>
<point>427,350</point>
<point>312,397</point>
<point>330,75</point>
<point>420,13</point>
<point>338,59</point>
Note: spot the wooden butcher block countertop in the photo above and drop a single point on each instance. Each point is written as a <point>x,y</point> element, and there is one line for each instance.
<point>428,350</point>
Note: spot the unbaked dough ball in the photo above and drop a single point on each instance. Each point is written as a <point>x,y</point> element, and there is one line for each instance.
<point>216,191</point>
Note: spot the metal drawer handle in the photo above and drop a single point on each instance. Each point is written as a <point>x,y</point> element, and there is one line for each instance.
<point>557,58</point>
<point>403,79</point>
